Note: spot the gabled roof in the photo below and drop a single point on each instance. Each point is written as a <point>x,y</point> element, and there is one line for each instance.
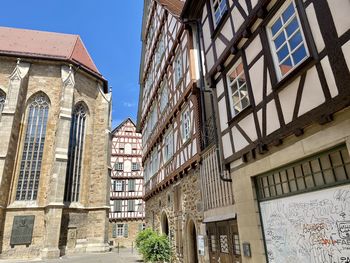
<point>122,124</point>
<point>40,44</point>
<point>173,6</point>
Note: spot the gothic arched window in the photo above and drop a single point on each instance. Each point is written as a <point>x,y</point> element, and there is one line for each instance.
<point>32,155</point>
<point>2,102</point>
<point>75,153</point>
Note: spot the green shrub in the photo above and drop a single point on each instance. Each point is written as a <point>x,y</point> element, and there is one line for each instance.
<point>152,246</point>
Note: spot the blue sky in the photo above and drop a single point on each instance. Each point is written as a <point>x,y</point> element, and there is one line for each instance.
<point>110,30</point>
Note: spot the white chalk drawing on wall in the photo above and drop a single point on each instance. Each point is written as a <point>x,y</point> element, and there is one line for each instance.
<point>308,228</point>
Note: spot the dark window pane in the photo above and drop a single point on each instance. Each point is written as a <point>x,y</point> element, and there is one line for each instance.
<point>295,40</point>
<point>299,54</point>
<point>283,53</point>
<point>280,40</point>
<point>276,26</point>
<point>292,27</point>
<point>289,12</point>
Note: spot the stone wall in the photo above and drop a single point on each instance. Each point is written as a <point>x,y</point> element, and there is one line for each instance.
<point>180,204</point>
<point>128,240</point>
<point>84,224</point>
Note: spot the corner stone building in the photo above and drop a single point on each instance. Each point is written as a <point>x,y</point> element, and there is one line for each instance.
<point>54,130</point>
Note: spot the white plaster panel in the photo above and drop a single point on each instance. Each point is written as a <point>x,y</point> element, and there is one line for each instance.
<point>248,125</point>
<point>238,140</point>
<point>346,51</point>
<point>222,114</point>
<point>329,77</point>
<point>253,49</point>
<point>312,93</point>
<point>268,85</point>
<point>254,3</point>
<point>272,121</point>
<point>220,47</point>
<point>259,114</point>
<point>210,59</point>
<point>244,5</point>
<point>256,79</point>
<point>238,19</point>
<point>227,30</point>
<point>226,145</point>
<point>206,35</point>
<point>220,88</point>
<point>287,98</point>
<point>127,166</point>
<point>315,29</point>
<point>204,13</point>
<point>340,11</point>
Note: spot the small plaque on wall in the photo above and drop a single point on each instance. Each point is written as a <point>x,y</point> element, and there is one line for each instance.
<point>22,230</point>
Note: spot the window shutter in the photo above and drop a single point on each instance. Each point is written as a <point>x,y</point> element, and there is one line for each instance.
<point>131,205</point>
<point>114,230</point>
<point>117,205</point>
<point>131,185</point>
<point>126,230</point>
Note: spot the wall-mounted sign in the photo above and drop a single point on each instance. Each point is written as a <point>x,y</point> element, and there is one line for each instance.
<point>200,243</point>
<point>22,230</point>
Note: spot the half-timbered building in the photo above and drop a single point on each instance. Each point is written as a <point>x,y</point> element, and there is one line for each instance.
<point>169,120</point>
<point>126,215</point>
<point>54,146</point>
<point>279,72</point>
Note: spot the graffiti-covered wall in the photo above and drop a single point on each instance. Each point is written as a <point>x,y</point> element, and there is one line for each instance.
<point>308,228</point>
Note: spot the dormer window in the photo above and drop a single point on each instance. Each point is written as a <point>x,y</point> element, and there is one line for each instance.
<point>287,40</point>
<point>219,8</point>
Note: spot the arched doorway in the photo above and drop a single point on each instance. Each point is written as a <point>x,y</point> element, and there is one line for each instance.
<point>192,243</point>
<point>165,224</point>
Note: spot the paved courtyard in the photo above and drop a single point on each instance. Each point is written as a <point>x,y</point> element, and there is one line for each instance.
<point>124,256</point>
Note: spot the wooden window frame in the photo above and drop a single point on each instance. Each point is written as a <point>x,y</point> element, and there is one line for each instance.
<point>270,38</point>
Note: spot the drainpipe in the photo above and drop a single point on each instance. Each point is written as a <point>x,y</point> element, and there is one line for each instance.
<point>203,90</point>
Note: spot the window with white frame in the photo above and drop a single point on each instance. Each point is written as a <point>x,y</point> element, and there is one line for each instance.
<point>237,88</point>
<point>186,124</point>
<point>135,166</point>
<point>168,145</point>
<point>164,96</point>
<point>119,166</point>
<point>219,8</point>
<point>120,230</point>
<point>287,39</point>
<point>2,102</point>
<point>119,185</point>
<point>154,160</point>
<point>160,51</point>
<point>178,68</point>
<point>33,148</point>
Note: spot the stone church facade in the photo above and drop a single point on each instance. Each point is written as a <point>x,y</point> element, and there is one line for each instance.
<point>54,147</point>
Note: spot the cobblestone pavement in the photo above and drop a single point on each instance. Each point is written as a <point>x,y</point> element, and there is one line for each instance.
<point>124,256</point>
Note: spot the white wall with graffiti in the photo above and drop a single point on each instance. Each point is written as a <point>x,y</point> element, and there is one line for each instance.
<point>308,228</point>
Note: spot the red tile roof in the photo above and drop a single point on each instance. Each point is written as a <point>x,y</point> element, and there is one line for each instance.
<point>174,6</point>
<point>45,45</point>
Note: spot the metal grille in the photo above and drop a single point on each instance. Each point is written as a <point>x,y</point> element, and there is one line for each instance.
<point>29,173</point>
<point>328,168</point>
<point>2,102</point>
<point>75,154</point>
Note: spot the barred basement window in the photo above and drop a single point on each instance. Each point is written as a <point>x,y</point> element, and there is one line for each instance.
<point>326,169</point>
<point>2,102</point>
<point>75,153</point>
<point>29,173</point>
